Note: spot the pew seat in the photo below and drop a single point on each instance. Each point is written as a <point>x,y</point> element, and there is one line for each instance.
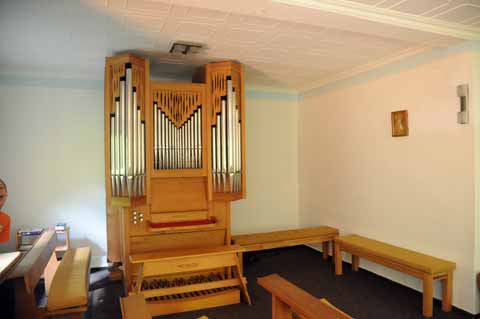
<point>68,290</point>
<point>425,267</point>
<point>286,238</point>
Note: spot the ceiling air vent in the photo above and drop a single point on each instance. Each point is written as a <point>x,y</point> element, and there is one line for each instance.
<point>186,48</point>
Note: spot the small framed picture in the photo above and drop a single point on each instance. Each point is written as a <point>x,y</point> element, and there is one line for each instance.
<point>400,123</point>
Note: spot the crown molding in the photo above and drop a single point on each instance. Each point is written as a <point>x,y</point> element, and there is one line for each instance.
<point>390,17</point>
<point>405,60</point>
<point>364,68</point>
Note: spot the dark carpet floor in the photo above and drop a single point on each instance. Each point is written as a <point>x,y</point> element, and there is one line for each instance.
<point>362,295</point>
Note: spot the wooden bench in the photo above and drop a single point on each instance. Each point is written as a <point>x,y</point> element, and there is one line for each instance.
<point>287,238</point>
<point>424,267</point>
<point>288,299</point>
<point>66,281</point>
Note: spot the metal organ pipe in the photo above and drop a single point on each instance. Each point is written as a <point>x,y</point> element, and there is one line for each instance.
<point>122,127</point>
<point>177,146</point>
<point>226,143</point>
<point>199,136</point>
<point>127,140</point>
<point>218,151</point>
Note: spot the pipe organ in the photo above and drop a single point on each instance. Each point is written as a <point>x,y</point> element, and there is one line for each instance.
<point>175,160</point>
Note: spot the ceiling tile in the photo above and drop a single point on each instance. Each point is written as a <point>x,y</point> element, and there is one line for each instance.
<point>388,3</point>
<point>419,7</point>
<point>149,6</point>
<point>460,13</point>
<point>279,44</point>
<point>206,14</point>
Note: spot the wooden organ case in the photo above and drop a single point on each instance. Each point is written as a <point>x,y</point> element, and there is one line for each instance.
<point>175,159</point>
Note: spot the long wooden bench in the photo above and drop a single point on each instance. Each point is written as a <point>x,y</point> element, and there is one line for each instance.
<point>288,299</point>
<point>424,267</point>
<point>287,238</point>
<point>66,281</point>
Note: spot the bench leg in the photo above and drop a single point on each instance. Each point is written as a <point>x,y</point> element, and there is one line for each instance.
<point>280,310</point>
<point>240,259</point>
<point>338,259</point>
<point>326,249</point>
<point>447,288</point>
<point>355,262</point>
<point>427,296</point>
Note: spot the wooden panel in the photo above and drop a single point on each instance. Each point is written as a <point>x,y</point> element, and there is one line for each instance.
<point>32,265</point>
<point>209,238</point>
<point>182,265</point>
<point>179,216</point>
<point>113,234</point>
<point>228,297</point>
<point>175,194</point>
<point>300,301</point>
<point>174,254</point>
<point>134,307</point>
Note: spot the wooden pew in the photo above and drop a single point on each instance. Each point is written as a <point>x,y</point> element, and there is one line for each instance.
<point>288,299</point>
<point>66,281</point>
<point>68,291</point>
<point>287,238</point>
<point>424,267</point>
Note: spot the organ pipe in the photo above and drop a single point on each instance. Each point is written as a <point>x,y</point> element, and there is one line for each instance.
<point>226,143</point>
<point>127,141</point>
<point>177,146</point>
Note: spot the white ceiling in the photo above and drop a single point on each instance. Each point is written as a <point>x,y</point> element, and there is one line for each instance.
<point>285,44</point>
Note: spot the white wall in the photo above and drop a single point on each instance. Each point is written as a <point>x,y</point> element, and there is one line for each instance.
<point>272,181</point>
<point>52,158</point>
<point>417,191</point>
